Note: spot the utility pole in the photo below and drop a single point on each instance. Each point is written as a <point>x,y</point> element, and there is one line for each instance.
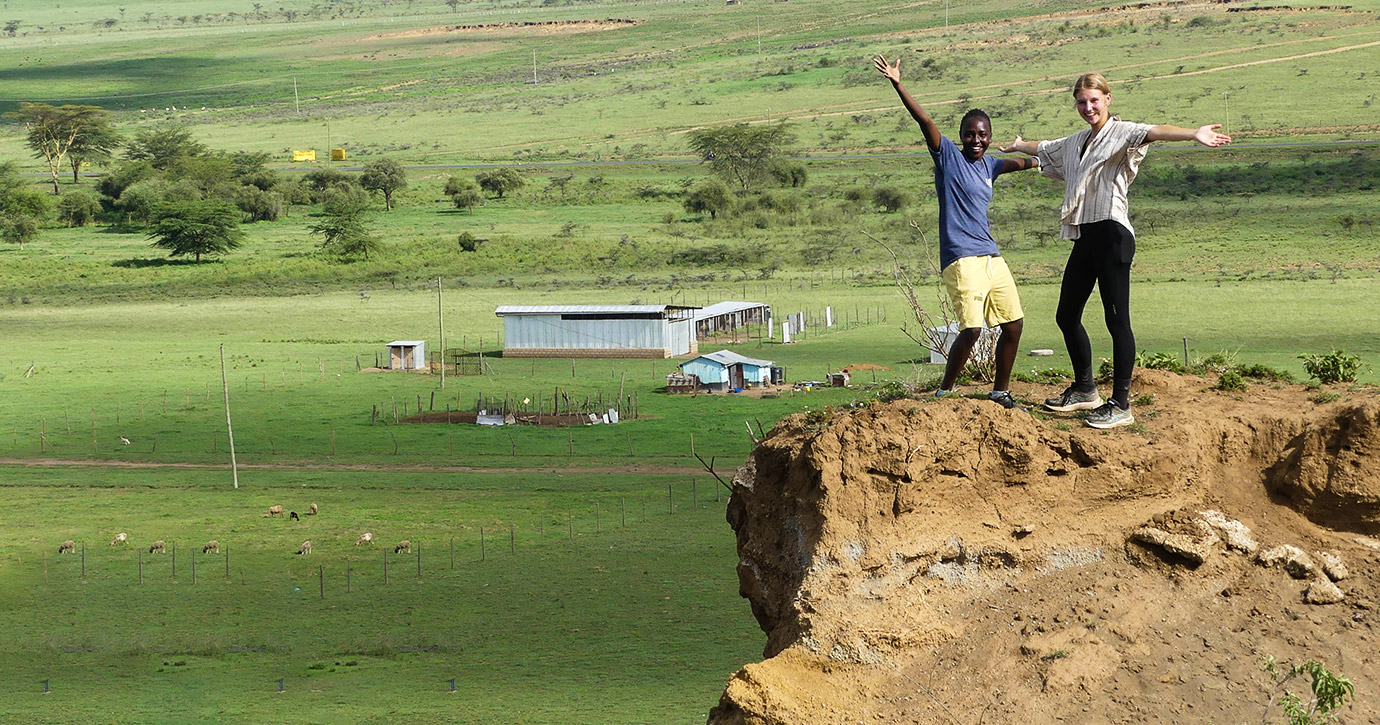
<point>534,66</point>
<point>441,326</point>
<point>229,431</point>
<point>295,101</point>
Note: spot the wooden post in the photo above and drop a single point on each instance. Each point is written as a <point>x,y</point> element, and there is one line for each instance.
<point>348,570</point>
<point>483,547</point>
<point>452,552</point>
<point>571,530</point>
<point>321,579</point>
<point>670,503</point>
<point>598,524</point>
<point>623,509</point>
<point>83,559</point>
<point>227,560</point>
<point>193,567</point>
<point>694,494</point>
<point>419,560</point>
<point>141,566</point>
<point>174,559</point>
<point>229,429</point>
<point>385,566</point>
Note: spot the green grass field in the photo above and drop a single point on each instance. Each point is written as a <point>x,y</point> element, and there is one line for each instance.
<point>596,612</point>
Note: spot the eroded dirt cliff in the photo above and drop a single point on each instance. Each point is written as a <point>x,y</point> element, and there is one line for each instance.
<point>951,561</point>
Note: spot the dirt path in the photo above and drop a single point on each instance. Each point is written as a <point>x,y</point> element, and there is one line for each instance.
<point>657,469</point>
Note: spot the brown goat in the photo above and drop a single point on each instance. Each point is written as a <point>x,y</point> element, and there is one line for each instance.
<point>311,511</point>
<point>158,546</point>
<point>403,545</point>
<point>211,545</point>
<point>120,538</point>
<point>306,548</point>
<point>364,538</point>
<point>67,547</point>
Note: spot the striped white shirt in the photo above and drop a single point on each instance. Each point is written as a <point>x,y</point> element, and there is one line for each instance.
<point>1095,181</point>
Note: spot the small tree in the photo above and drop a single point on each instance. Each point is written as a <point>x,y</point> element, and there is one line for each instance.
<point>385,176</point>
<point>22,207</point>
<point>78,207</point>
<point>742,153</point>
<point>793,175</point>
<point>197,228</point>
<point>141,200</point>
<point>500,181</point>
<point>463,192</point>
<point>344,228</point>
<point>710,195</point>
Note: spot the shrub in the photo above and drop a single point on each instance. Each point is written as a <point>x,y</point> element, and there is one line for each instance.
<point>710,195</point>
<point>890,198</point>
<point>1333,367</point>
<point>792,175</point>
<point>259,205</point>
<point>1158,361</point>
<point>1265,372</point>
<point>894,390</point>
<point>500,181</point>
<point>1230,380</point>
<point>469,243</point>
<point>463,192</point>
<point>78,207</point>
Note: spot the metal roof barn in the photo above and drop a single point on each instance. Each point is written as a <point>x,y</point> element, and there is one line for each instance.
<point>722,317</point>
<point>657,331</point>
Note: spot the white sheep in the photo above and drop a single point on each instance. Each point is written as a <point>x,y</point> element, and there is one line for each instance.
<point>403,545</point>
<point>274,510</point>
<point>159,547</point>
<point>120,538</point>
<point>305,549</point>
<point>364,538</point>
<point>211,545</point>
<point>311,510</point>
<point>67,547</point>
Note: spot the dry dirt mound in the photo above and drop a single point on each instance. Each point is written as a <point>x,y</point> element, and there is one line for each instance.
<point>951,561</point>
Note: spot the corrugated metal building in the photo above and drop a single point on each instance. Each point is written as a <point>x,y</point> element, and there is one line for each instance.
<point>725,317</point>
<point>597,330</point>
<point>726,370</point>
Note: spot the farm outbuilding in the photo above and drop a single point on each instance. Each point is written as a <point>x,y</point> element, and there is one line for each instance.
<point>656,331</point>
<point>407,355</point>
<point>727,370</point>
<point>724,317</point>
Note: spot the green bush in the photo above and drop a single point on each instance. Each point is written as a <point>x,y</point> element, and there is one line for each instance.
<point>1230,380</point>
<point>890,198</point>
<point>1265,372</point>
<point>893,390</point>
<point>1159,361</point>
<point>78,207</point>
<point>1333,367</point>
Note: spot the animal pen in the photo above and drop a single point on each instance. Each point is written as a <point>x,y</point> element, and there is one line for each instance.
<point>562,409</point>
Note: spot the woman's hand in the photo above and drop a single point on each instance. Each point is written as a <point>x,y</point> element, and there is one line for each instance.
<point>1013,147</point>
<point>1208,136</point>
<point>892,72</point>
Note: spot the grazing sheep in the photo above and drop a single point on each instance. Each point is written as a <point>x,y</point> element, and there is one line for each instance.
<point>211,545</point>
<point>311,511</point>
<point>67,547</point>
<point>306,548</point>
<point>274,510</point>
<point>293,515</point>
<point>120,538</point>
<point>403,545</point>
<point>158,546</point>
<point>364,538</point>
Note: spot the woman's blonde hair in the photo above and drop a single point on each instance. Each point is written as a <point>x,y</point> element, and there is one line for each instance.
<point>1093,81</point>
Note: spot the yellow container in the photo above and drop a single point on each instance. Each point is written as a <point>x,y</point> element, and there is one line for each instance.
<point>337,154</point>
<point>306,155</point>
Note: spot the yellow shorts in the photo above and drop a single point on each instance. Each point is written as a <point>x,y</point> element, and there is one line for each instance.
<point>982,290</point>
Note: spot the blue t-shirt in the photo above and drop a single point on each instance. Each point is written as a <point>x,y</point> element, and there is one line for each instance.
<point>965,189</point>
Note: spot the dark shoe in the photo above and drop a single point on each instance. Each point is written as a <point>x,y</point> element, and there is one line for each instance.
<point>1109,416</point>
<point>1073,399</point>
<point>1004,399</point>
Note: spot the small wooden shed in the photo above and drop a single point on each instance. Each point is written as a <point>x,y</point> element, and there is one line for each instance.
<point>407,355</point>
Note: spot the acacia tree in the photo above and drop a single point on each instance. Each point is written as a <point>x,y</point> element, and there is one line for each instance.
<point>163,145</point>
<point>21,207</point>
<point>344,228</point>
<point>197,228</point>
<point>499,181</point>
<point>95,143</point>
<point>385,176</point>
<point>742,153</point>
<point>709,195</point>
<point>52,130</point>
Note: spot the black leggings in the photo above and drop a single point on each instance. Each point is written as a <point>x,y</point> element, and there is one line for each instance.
<point>1102,256</point>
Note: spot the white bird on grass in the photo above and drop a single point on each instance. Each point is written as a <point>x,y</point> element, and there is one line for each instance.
<point>124,440</point>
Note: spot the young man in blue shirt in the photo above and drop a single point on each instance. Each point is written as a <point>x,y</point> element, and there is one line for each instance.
<point>975,275</point>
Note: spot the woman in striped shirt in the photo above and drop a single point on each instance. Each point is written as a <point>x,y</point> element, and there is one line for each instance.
<point>1097,166</point>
